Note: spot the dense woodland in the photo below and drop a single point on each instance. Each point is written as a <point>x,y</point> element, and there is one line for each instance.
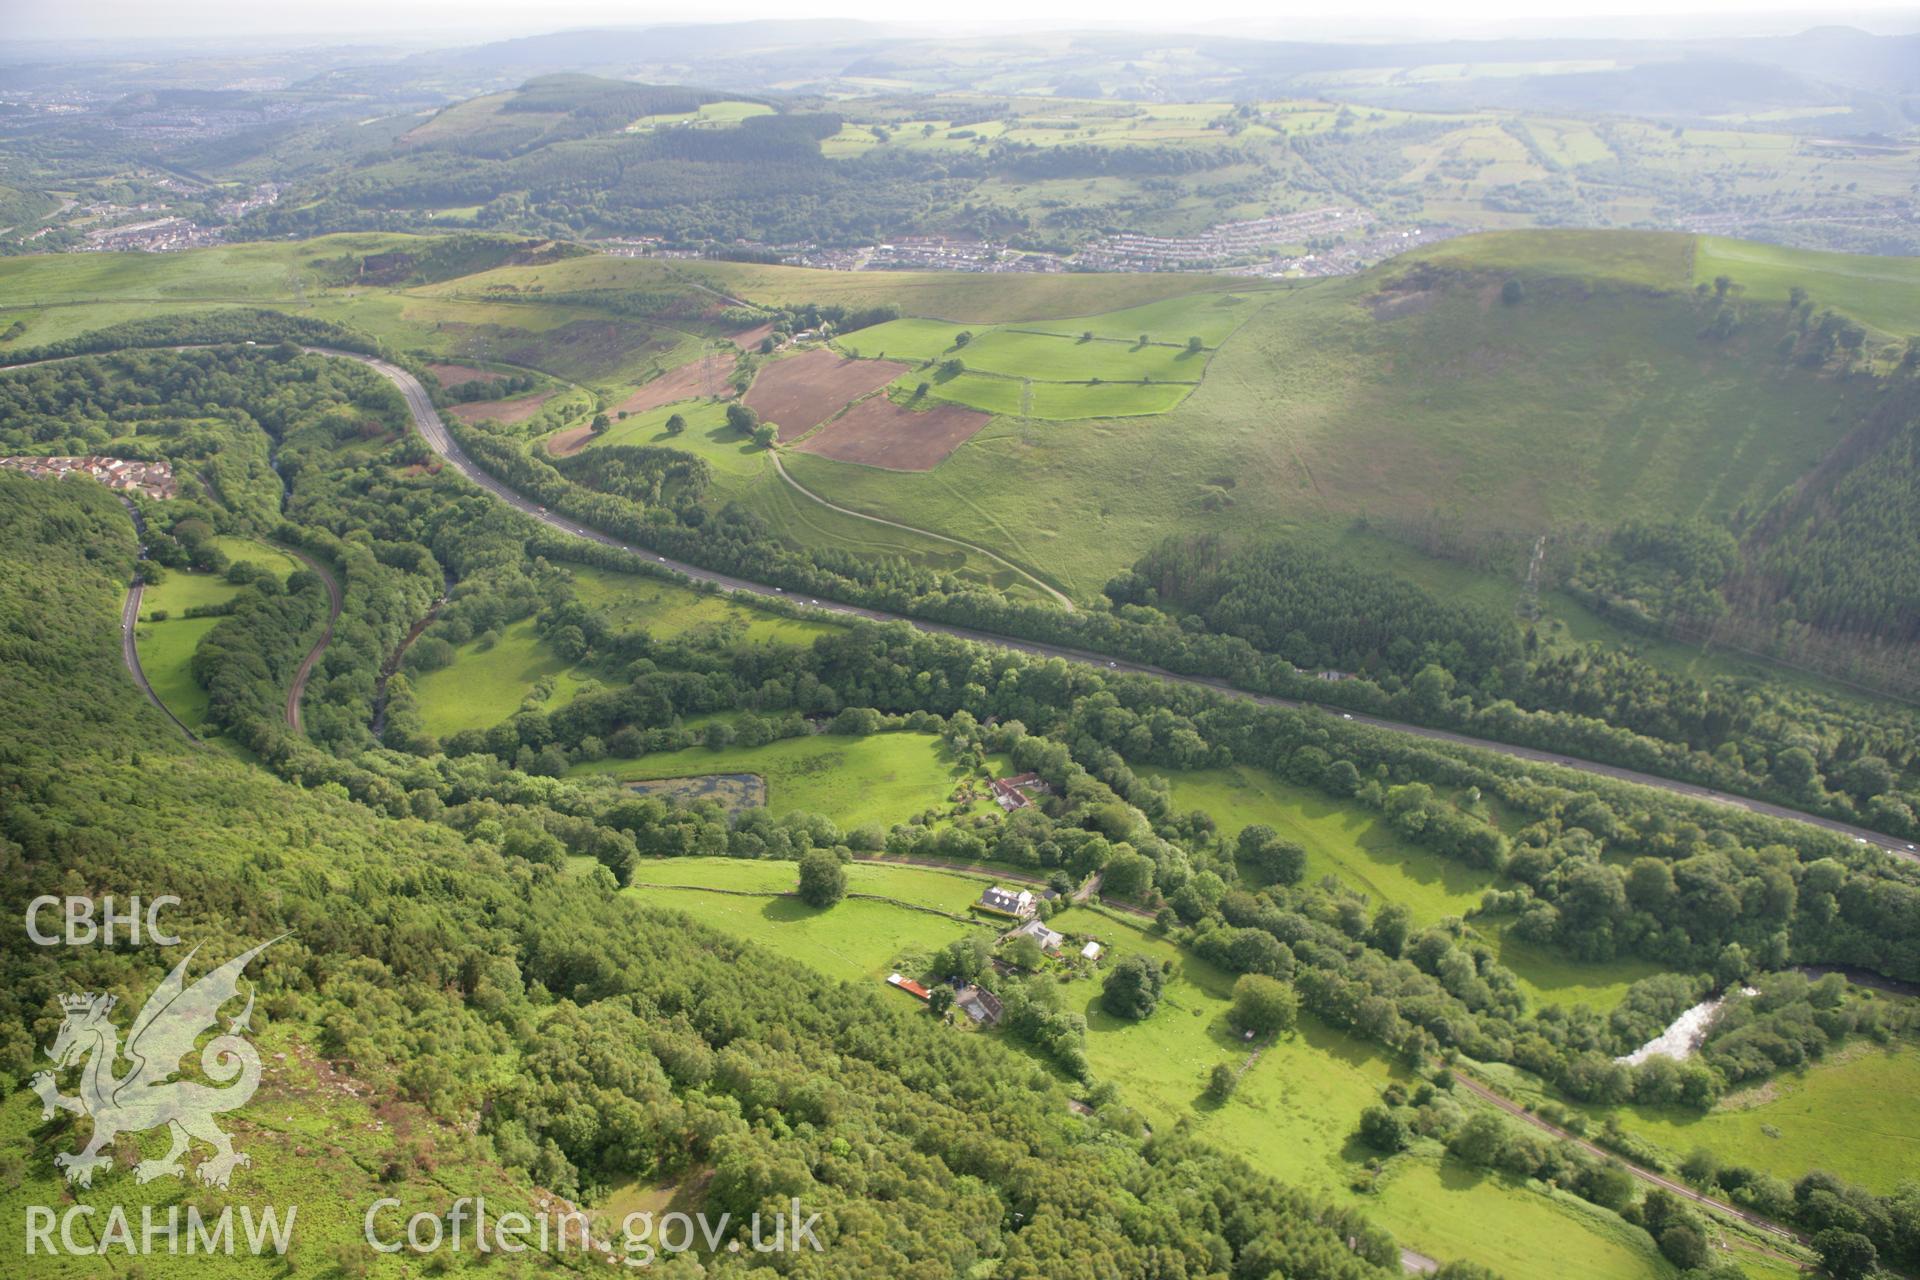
<point>1840,553</point>
<point>1827,574</point>
<point>1445,663</point>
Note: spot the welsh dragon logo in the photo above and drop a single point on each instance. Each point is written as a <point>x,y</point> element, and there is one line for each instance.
<point>147,1096</point>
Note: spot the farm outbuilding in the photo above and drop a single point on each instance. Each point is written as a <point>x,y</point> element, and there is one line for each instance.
<point>909,986</point>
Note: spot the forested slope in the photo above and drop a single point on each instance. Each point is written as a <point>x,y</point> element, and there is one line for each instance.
<point>580,1038</point>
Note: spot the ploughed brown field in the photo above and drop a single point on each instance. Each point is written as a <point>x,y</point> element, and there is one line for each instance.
<point>452,375</point>
<point>564,444</point>
<point>518,409</point>
<point>750,339</point>
<point>803,391</point>
<point>880,433</point>
<point>700,377</point>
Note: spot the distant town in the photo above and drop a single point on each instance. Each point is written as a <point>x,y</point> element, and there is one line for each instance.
<point>1329,241</point>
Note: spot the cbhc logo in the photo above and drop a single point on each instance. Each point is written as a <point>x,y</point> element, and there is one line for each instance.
<point>87,921</point>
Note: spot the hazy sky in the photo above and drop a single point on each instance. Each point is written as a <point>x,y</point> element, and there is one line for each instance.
<point>451,21</point>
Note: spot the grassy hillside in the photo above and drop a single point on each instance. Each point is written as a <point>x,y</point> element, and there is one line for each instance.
<point>1658,260</point>
<point>1881,292</point>
<point>967,299</point>
<point>1877,291</point>
<point>248,272</point>
<point>1594,400</point>
<point>1434,408</point>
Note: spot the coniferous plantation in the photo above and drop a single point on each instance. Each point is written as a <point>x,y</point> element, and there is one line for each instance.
<point>759,649</point>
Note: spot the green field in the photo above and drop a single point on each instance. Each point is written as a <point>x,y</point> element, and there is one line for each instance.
<point>1006,396</point>
<point>649,427</point>
<point>854,940</point>
<point>668,610</point>
<point>1342,840</point>
<point>730,453</point>
<point>482,687</point>
<point>1210,317</point>
<point>1856,1114</point>
<point>166,648</point>
<point>1293,1110</point>
<point>1074,368</point>
<point>1550,977</point>
<point>907,339</point>
<point>182,589</point>
<point>1021,353</point>
<point>166,656</point>
<point>1454,1211</point>
<point>1056,371</point>
<point>1355,846</point>
<point>984,391</point>
<point>885,778</point>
